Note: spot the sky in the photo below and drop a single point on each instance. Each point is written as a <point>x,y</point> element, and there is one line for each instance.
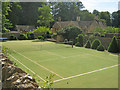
<point>101,5</point>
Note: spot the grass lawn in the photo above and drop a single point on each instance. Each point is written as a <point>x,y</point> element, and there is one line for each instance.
<point>45,58</point>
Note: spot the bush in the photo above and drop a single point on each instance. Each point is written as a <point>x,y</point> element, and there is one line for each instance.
<point>78,44</point>
<point>80,39</point>
<point>88,44</point>
<point>69,32</point>
<point>40,37</point>
<point>102,35</point>
<point>13,37</point>
<point>95,44</point>
<point>30,36</point>
<point>113,46</point>
<point>22,37</point>
<point>54,35</point>
<point>100,48</point>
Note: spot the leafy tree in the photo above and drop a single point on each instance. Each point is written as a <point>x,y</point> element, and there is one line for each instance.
<point>66,10</point>
<point>69,32</point>
<point>96,12</point>
<point>113,46</point>
<point>106,17</point>
<point>86,15</point>
<point>6,24</point>
<point>95,44</point>
<point>41,31</point>
<point>45,15</point>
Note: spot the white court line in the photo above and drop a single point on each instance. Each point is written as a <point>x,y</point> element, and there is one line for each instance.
<point>38,64</point>
<point>27,67</point>
<point>55,54</point>
<point>86,73</point>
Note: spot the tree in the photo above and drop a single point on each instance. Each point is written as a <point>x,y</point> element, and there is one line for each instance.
<point>86,15</point>
<point>45,16</point>
<point>66,10</point>
<point>113,46</point>
<point>69,32</point>
<point>6,24</point>
<point>41,31</point>
<point>96,12</point>
<point>106,17</point>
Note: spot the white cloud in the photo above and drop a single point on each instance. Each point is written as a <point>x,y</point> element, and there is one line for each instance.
<point>111,5</point>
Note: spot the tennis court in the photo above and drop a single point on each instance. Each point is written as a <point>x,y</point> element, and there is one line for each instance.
<point>73,67</point>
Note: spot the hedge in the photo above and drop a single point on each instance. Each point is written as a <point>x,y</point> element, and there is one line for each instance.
<point>113,46</point>
<point>88,44</point>
<point>100,48</point>
<point>95,44</point>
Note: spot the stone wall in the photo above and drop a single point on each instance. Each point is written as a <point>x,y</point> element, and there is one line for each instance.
<point>14,77</point>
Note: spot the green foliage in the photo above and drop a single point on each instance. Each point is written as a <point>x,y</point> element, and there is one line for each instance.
<point>13,37</point>
<point>40,37</point>
<point>80,40</point>
<point>102,35</point>
<point>6,24</point>
<point>30,36</point>
<point>6,51</point>
<point>49,82</point>
<point>69,32</point>
<point>22,37</point>
<point>113,46</point>
<point>95,44</point>
<point>78,44</point>
<point>100,48</point>
<point>45,16</point>
<point>88,44</point>
<point>42,31</point>
<point>54,35</point>
<point>66,10</point>
<point>108,29</point>
<point>106,17</point>
<point>85,15</point>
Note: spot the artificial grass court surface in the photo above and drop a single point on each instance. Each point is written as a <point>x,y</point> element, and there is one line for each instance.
<point>45,58</point>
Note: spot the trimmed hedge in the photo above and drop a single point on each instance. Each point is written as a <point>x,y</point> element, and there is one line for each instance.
<point>88,44</point>
<point>30,36</point>
<point>100,48</point>
<point>113,46</point>
<point>80,40</point>
<point>13,37</point>
<point>95,44</point>
<point>40,37</point>
<point>78,44</point>
<point>22,37</point>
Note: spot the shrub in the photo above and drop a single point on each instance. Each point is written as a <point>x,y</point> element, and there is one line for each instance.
<point>95,44</point>
<point>69,32</point>
<point>40,37</point>
<point>30,36</point>
<point>88,44</point>
<point>54,35</point>
<point>66,41</point>
<point>80,39</point>
<point>78,44</point>
<point>102,35</point>
<point>13,37</point>
<point>22,37</point>
<point>113,46</point>
<point>100,48</point>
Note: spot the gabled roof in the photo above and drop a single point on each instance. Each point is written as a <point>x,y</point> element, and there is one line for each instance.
<point>25,27</point>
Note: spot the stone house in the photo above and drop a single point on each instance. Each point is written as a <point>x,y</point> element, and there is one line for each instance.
<point>86,26</point>
<point>24,28</point>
